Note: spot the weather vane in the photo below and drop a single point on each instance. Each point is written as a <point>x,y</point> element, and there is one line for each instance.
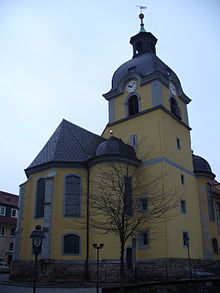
<point>141,16</point>
<point>141,7</point>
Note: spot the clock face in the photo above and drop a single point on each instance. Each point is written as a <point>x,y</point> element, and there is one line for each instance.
<point>131,86</point>
<point>173,89</point>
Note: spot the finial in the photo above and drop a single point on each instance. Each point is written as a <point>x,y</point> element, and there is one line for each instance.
<point>141,16</point>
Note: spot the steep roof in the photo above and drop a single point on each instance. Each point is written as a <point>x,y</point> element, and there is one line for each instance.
<point>9,199</point>
<point>69,143</point>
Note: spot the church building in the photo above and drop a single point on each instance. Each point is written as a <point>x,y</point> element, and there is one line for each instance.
<point>148,131</point>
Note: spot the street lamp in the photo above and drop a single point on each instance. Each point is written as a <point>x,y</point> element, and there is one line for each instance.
<point>189,260</point>
<point>97,247</point>
<point>37,237</point>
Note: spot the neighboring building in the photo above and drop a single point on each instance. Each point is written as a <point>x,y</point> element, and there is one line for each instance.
<point>147,111</point>
<point>8,221</point>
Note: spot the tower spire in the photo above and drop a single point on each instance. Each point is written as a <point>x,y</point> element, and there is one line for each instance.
<point>141,16</point>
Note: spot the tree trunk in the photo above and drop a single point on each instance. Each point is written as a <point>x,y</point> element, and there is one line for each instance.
<point>122,269</point>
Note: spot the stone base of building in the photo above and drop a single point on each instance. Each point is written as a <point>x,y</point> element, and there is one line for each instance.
<point>67,271</point>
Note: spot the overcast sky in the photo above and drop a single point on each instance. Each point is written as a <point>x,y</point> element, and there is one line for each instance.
<point>57,58</point>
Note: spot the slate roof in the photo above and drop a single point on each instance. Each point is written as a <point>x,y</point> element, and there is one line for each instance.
<point>69,143</point>
<point>9,199</point>
<point>200,165</point>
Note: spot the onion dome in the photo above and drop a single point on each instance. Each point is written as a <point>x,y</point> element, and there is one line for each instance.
<point>201,167</point>
<point>115,146</point>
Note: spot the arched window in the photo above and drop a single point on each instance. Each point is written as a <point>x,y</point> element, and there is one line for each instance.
<point>133,105</point>
<point>71,244</point>
<point>72,196</point>
<point>175,108</point>
<point>40,198</point>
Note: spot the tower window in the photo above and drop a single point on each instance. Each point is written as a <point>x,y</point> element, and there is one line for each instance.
<point>175,108</point>
<point>178,143</point>
<point>40,198</point>
<point>72,196</point>
<point>71,244</point>
<point>183,206</point>
<point>133,105</point>
<point>182,179</point>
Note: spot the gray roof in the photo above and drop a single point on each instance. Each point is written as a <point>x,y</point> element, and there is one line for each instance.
<point>115,146</point>
<point>69,143</point>
<point>144,65</point>
<point>202,167</point>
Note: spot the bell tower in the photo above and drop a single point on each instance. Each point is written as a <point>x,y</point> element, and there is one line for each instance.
<point>147,105</point>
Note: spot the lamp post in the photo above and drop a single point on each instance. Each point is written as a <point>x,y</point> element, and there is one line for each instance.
<point>37,237</point>
<point>189,260</point>
<point>97,247</point>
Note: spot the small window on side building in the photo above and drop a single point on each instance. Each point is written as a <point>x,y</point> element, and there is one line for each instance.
<point>13,213</point>
<point>2,210</point>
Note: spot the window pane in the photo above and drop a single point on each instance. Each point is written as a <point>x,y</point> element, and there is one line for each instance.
<point>145,238</point>
<point>133,105</point>
<point>185,239</point>
<point>2,210</point>
<point>40,198</point>
<point>183,206</point>
<point>71,244</point>
<point>72,196</point>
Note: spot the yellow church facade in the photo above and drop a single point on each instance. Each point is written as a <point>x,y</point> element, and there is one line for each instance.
<point>148,131</point>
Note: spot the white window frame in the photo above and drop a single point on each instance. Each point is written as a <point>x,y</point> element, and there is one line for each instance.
<point>2,210</point>
<point>13,210</point>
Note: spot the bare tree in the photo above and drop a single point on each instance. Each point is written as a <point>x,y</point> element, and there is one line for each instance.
<point>116,201</point>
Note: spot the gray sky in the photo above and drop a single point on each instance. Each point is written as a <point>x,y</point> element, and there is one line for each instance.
<point>57,58</point>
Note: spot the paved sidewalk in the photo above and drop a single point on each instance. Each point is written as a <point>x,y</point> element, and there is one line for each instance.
<point>7,286</point>
<point>19,289</point>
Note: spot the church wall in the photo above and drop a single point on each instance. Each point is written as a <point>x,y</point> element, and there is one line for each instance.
<point>54,223</point>
<point>209,228</point>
